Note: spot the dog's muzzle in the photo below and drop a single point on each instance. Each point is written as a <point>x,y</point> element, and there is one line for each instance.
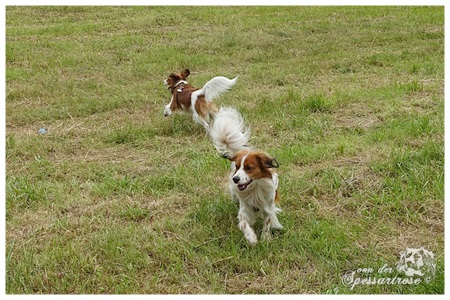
<point>166,84</point>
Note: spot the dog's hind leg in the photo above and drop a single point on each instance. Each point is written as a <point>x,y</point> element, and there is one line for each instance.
<point>197,119</point>
<point>265,235</point>
<point>212,111</point>
<point>270,221</point>
<point>200,112</point>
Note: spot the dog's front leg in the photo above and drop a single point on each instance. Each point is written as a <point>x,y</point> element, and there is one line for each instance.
<point>244,225</point>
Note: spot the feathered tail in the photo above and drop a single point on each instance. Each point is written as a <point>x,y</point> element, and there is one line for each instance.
<point>215,87</point>
<point>229,132</point>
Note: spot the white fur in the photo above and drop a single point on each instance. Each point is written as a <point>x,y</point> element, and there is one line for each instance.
<point>167,110</point>
<point>230,135</point>
<point>215,87</point>
<point>229,132</point>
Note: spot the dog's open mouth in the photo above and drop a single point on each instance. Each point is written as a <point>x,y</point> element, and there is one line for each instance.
<point>242,187</point>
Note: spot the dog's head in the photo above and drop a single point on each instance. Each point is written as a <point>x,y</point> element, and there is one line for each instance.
<point>174,78</point>
<point>171,83</point>
<point>250,166</point>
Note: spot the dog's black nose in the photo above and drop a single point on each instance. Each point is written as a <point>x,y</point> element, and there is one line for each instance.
<point>236,179</point>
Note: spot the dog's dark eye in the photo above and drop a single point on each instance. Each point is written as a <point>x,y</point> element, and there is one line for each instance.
<point>248,168</point>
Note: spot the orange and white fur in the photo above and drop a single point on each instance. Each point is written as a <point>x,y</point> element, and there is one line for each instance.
<point>252,179</point>
<point>198,102</point>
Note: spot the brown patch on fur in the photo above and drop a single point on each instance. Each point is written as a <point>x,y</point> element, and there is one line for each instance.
<point>204,108</point>
<point>256,165</point>
<point>183,98</point>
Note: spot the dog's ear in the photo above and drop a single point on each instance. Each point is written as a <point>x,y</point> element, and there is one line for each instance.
<point>185,74</point>
<point>268,161</point>
<point>229,157</point>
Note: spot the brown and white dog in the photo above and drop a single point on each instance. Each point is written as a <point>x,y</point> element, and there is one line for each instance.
<point>198,102</point>
<point>252,179</point>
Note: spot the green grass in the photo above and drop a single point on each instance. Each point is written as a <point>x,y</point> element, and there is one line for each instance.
<point>117,199</point>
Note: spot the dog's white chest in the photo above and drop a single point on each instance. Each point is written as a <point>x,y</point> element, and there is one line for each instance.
<point>259,195</point>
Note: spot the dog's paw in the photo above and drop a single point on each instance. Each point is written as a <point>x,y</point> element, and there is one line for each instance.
<point>266,235</point>
<point>251,238</point>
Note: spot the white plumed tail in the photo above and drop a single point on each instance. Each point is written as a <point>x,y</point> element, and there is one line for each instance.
<point>229,132</point>
<point>216,87</point>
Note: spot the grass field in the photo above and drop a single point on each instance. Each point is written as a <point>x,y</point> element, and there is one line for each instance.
<point>115,198</point>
